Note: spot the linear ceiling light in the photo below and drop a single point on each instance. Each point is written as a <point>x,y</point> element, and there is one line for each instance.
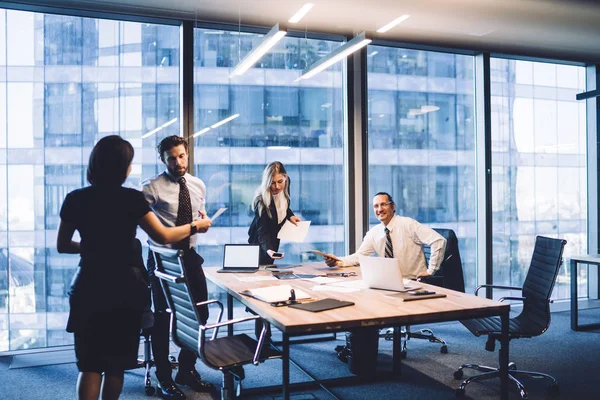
<point>301,13</point>
<point>338,54</point>
<point>392,24</point>
<point>201,132</point>
<point>153,131</point>
<point>268,41</point>
<point>216,125</point>
<point>224,121</point>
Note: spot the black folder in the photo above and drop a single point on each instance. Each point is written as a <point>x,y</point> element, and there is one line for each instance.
<point>322,305</point>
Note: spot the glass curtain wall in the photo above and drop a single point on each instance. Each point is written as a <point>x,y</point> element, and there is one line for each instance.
<point>421,140</point>
<point>65,82</point>
<point>538,166</point>
<point>274,119</point>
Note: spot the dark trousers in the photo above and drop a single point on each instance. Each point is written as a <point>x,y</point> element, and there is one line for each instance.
<point>160,332</point>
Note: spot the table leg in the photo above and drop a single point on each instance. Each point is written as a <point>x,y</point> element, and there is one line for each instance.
<point>503,356</point>
<point>285,368</point>
<point>229,314</point>
<point>397,350</point>
<point>574,304</point>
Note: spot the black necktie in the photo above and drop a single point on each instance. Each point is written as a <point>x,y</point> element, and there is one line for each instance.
<point>184,212</point>
<point>389,249</point>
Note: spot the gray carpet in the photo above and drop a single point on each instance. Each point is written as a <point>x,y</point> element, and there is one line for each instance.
<point>572,357</point>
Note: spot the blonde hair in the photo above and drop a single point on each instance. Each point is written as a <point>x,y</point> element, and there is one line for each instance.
<point>263,197</point>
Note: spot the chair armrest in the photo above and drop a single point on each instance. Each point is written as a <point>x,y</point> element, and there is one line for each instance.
<point>230,322</point>
<point>219,316</point>
<point>497,287</point>
<point>168,277</point>
<point>511,298</point>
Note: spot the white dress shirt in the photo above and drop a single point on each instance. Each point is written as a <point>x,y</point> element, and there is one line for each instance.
<point>162,193</point>
<point>281,204</point>
<point>408,237</point>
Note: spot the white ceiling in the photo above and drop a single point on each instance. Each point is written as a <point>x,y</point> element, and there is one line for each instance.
<point>567,29</point>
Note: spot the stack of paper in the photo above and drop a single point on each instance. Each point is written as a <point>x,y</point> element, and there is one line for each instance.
<point>275,293</point>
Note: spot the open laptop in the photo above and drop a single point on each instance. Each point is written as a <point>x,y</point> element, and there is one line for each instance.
<point>240,258</point>
<point>383,273</point>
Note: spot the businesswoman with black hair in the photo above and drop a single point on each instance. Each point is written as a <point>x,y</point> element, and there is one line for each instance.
<point>109,290</point>
<point>271,209</point>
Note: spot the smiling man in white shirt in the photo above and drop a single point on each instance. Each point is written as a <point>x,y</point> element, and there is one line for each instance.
<point>407,239</point>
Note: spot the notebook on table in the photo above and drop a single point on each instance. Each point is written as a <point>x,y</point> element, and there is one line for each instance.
<point>240,258</point>
<point>384,273</point>
<point>407,296</point>
<point>322,305</point>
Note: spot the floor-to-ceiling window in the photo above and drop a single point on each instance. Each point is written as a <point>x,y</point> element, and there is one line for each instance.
<point>421,140</point>
<point>538,165</point>
<point>274,119</point>
<point>65,82</point>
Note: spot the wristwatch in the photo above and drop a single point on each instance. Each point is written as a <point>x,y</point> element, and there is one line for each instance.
<point>193,228</point>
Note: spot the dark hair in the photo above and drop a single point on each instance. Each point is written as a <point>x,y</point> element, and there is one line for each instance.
<point>168,143</point>
<point>109,161</point>
<point>388,196</point>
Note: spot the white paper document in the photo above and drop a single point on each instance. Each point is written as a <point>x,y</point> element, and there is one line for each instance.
<point>293,233</point>
<point>331,288</point>
<point>219,212</point>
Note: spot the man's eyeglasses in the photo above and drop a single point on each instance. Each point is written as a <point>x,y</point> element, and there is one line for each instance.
<point>382,205</point>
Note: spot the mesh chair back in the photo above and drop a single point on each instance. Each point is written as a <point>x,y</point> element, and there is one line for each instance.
<point>184,317</point>
<point>451,271</point>
<point>539,282</point>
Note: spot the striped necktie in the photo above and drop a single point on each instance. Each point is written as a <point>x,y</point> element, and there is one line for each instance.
<point>389,249</point>
<point>184,212</point>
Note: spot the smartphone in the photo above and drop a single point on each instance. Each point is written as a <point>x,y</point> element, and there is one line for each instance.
<point>277,255</point>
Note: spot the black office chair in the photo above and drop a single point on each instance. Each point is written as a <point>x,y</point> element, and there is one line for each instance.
<point>533,320</point>
<point>450,276</point>
<point>227,354</point>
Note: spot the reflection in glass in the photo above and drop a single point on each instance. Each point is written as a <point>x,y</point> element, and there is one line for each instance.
<point>421,140</point>
<point>539,166</point>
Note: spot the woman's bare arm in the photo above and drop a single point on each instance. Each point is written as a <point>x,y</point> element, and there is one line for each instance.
<point>64,240</point>
<point>166,235</point>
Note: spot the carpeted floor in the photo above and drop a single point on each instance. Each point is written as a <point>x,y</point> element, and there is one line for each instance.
<point>572,357</point>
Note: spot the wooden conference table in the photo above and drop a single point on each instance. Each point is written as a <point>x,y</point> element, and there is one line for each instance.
<point>372,308</point>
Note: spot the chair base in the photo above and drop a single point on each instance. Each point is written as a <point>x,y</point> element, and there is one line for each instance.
<point>147,363</point>
<point>491,372</point>
<point>420,334</point>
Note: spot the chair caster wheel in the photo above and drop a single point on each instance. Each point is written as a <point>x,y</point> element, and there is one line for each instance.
<point>150,390</point>
<point>444,349</point>
<point>512,366</point>
<point>403,354</point>
<point>458,374</point>
<point>460,392</point>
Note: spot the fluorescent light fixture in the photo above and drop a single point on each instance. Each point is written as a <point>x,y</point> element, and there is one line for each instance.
<point>153,131</point>
<point>338,54</point>
<point>429,108</point>
<point>278,147</point>
<point>373,53</point>
<point>268,41</point>
<point>416,111</point>
<point>392,24</point>
<point>224,121</point>
<point>201,132</point>
<point>300,13</point>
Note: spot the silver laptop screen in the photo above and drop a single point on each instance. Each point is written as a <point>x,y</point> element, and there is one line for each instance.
<point>240,256</point>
